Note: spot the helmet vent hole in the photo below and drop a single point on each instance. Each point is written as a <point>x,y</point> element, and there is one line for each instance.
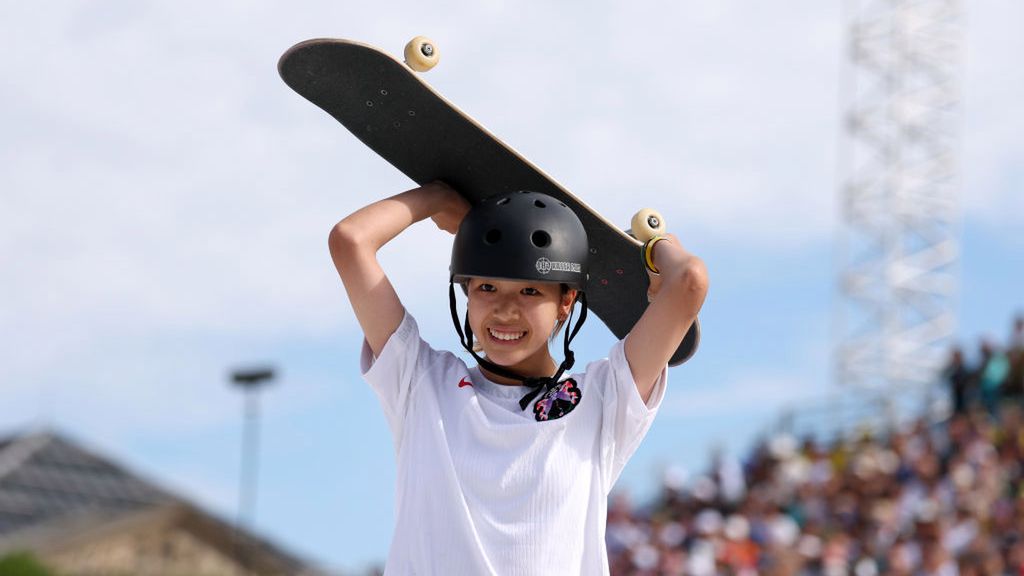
<point>541,239</point>
<point>493,236</point>
<point>539,204</point>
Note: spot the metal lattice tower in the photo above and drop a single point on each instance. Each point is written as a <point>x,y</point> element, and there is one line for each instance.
<point>900,192</point>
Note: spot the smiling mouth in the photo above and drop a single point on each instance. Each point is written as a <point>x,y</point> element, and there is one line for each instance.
<point>505,336</point>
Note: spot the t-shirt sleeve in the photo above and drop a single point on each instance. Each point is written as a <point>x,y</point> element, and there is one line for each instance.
<point>393,375</point>
<point>627,418</point>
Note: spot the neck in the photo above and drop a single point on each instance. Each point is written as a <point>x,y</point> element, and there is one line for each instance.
<point>548,370</point>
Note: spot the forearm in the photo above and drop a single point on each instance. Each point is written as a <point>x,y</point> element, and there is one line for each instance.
<point>354,243</point>
<point>679,292</point>
<point>371,227</point>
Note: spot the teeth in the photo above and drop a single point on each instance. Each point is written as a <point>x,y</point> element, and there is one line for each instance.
<point>507,336</point>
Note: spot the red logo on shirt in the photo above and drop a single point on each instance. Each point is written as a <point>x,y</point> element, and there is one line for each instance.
<point>465,382</point>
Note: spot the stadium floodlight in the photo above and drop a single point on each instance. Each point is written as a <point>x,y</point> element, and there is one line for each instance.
<point>252,377</point>
<point>251,381</point>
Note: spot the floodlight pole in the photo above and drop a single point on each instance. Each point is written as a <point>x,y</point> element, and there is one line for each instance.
<point>250,381</point>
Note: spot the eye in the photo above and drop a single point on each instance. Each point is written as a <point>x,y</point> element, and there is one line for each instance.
<point>484,287</point>
<point>531,291</point>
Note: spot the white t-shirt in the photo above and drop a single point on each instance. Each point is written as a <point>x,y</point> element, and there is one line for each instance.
<point>485,487</point>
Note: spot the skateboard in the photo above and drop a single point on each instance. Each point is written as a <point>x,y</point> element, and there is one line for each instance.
<point>387,106</point>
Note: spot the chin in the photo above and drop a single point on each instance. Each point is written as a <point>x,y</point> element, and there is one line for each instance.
<point>506,358</point>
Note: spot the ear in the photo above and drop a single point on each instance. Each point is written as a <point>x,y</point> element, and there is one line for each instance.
<point>568,298</point>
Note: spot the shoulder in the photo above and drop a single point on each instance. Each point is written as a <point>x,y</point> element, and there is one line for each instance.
<point>406,346</point>
<point>612,379</point>
<point>599,373</point>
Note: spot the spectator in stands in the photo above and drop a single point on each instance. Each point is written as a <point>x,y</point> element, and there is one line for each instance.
<point>1013,388</point>
<point>959,378</point>
<point>993,368</point>
<point>1017,336</point>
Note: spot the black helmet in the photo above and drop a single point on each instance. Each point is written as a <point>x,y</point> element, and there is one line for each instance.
<point>521,236</point>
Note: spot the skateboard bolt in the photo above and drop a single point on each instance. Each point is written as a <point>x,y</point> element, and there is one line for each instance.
<point>427,49</point>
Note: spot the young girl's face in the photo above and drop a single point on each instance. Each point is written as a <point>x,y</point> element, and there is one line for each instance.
<point>512,321</point>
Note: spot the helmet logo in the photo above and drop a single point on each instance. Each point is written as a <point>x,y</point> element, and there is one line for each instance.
<point>544,266</point>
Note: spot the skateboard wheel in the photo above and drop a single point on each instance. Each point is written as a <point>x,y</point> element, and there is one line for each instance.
<point>647,224</point>
<point>421,54</point>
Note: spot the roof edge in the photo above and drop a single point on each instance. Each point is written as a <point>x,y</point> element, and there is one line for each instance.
<point>21,449</point>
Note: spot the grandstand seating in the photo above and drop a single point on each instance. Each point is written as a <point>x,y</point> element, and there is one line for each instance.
<point>929,497</point>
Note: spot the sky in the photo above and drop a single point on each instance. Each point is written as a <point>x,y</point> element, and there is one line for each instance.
<point>165,202</point>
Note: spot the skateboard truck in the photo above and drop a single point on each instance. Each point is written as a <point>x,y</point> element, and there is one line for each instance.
<point>421,54</point>
<point>646,224</point>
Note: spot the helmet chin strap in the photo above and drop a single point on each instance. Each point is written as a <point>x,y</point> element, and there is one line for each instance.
<point>537,385</point>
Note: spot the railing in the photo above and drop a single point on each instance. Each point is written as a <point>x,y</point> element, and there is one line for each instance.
<point>847,413</point>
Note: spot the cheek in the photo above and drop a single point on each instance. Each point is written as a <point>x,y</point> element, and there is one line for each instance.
<point>546,318</point>
<point>473,311</point>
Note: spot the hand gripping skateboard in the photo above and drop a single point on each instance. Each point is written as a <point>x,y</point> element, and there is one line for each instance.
<point>400,117</point>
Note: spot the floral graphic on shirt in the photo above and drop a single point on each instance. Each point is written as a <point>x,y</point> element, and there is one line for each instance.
<point>558,401</point>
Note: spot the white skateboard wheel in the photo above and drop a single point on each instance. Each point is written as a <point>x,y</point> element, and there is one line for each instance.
<point>647,224</point>
<point>421,54</point>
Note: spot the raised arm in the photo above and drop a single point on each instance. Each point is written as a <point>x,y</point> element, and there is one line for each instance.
<point>679,293</point>
<point>354,243</point>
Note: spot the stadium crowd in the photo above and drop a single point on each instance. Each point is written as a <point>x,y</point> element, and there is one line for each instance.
<point>931,498</point>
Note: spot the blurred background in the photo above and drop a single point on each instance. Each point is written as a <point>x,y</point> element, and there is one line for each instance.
<point>851,173</point>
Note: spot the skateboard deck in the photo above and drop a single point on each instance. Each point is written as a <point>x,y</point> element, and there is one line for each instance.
<point>400,117</point>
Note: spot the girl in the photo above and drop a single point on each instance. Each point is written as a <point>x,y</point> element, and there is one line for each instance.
<point>504,467</point>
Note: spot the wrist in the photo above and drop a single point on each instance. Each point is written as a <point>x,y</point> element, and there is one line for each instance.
<point>421,202</point>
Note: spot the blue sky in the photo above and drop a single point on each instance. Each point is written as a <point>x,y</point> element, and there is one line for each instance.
<point>165,201</point>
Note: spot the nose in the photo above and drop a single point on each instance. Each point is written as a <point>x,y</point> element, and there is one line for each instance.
<point>506,307</point>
